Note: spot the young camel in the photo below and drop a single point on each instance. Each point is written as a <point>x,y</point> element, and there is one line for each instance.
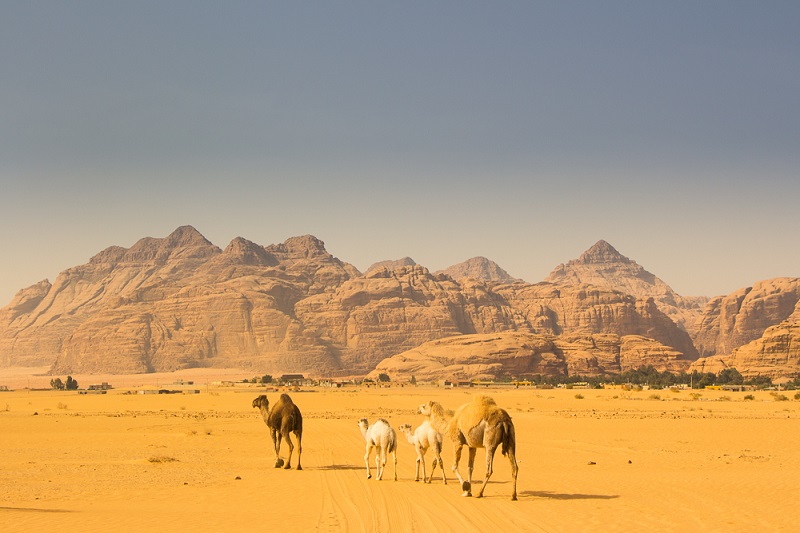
<point>282,419</point>
<point>478,424</point>
<point>382,437</point>
<point>424,437</point>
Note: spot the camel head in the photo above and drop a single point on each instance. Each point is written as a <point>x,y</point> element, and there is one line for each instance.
<point>405,428</point>
<point>363,423</point>
<point>261,401</point>
<point>429,408</point>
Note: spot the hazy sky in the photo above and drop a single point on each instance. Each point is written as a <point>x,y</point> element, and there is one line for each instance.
<point>520,131</point>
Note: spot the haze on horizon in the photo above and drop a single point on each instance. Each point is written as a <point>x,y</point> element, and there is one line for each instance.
<point>523,132</point>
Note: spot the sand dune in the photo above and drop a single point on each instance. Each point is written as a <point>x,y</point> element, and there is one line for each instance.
<point>613,460</point>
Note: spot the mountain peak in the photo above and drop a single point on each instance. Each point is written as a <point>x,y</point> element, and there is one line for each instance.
<point>602,252</point>
<point>391,264</point>
<point>185,236</point>
<point>478,268</point>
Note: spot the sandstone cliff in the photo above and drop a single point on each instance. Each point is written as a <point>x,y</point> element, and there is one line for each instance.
<point>172,303</point>
<point>603,266</point>
<point>776,352</point>
<point>731,321</point>
<point>520,355</point>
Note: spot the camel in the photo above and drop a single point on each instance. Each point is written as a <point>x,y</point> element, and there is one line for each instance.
<point>282,419</point>
<point>424,437</point>
<point>478,424</point>
<point>382,437</point>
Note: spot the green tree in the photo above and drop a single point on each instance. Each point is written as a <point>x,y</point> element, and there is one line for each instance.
<point>729,376</point>
<point>413,380</point>
<point>72,384</point>
<point>57,384</point>
<point>266,378</point>
<point>384,378</point>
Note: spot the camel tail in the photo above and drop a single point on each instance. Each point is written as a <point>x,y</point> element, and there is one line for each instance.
<point>509,438</point>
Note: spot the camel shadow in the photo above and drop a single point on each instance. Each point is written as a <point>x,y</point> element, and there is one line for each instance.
<point>336,467</point>
<point>35,510</point>
<point>559,496</point>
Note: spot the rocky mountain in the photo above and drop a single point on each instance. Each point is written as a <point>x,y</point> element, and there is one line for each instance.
<point>731,321</point>
<point>179,302</point>
<point>171,303</point>
<point>602,265</point>
<point>520,355</point>
<point>478,268</point>
<point>755,330</point>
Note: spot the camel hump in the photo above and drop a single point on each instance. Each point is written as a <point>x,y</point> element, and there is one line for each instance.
<point>484,403</point>
<point>384,421</point>
<point>285,398</point>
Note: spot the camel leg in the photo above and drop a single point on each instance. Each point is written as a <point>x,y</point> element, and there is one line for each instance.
<point>489,462</point>
<point>299,435</point>
<point>421,461</point>
<point>394,459</point>
<point>465,486</point>
<point>416,470</point>
<point>433,467</point>
<point>291,449</point>
<point>470,467</point>
<point>366,460</point>
<point>514,471</point>
<point>437,457</point>
<point>276,443</point>
<point>380,462</point>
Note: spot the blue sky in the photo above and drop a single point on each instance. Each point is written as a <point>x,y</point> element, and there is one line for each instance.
<point>520,131</point>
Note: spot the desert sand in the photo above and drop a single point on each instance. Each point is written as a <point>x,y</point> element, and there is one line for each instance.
<point>590,460</point>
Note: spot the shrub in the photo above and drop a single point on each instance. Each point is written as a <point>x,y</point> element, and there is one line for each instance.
<point>579,396</point>
<point>654,397</point>
<point>749,397</point>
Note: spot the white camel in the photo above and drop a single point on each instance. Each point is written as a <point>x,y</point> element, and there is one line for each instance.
<point>424,437</point>
<point>382,437</point>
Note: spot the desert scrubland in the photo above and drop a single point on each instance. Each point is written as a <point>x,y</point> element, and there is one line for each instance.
<point>590,460</point>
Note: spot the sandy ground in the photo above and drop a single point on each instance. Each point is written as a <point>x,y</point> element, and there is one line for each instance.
<point>609,461</point>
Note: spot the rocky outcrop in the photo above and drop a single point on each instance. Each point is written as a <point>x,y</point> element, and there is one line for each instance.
<point>478,268</point>
<point>603,266</point>
<point>585,309</point>
<point>741,317</point>
<point>775,354</point>
<point>524,355</point>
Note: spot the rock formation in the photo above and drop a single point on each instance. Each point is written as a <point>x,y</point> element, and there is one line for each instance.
<point>602,265</point>
<point>776,351</point>
<point>520,355</point>
<point>478,268</point>
<point>179,302</point>
<point>731,321</point>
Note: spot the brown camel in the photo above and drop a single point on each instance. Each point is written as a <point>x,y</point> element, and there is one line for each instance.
<point>282,419</point>
<point>478,424</point>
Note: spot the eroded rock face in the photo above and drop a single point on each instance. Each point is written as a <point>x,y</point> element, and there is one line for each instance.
<point>741,317</point>
<point>175,302</point>
<point>561,310</point>
<point>603,266</point>
<point>495,356</point>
